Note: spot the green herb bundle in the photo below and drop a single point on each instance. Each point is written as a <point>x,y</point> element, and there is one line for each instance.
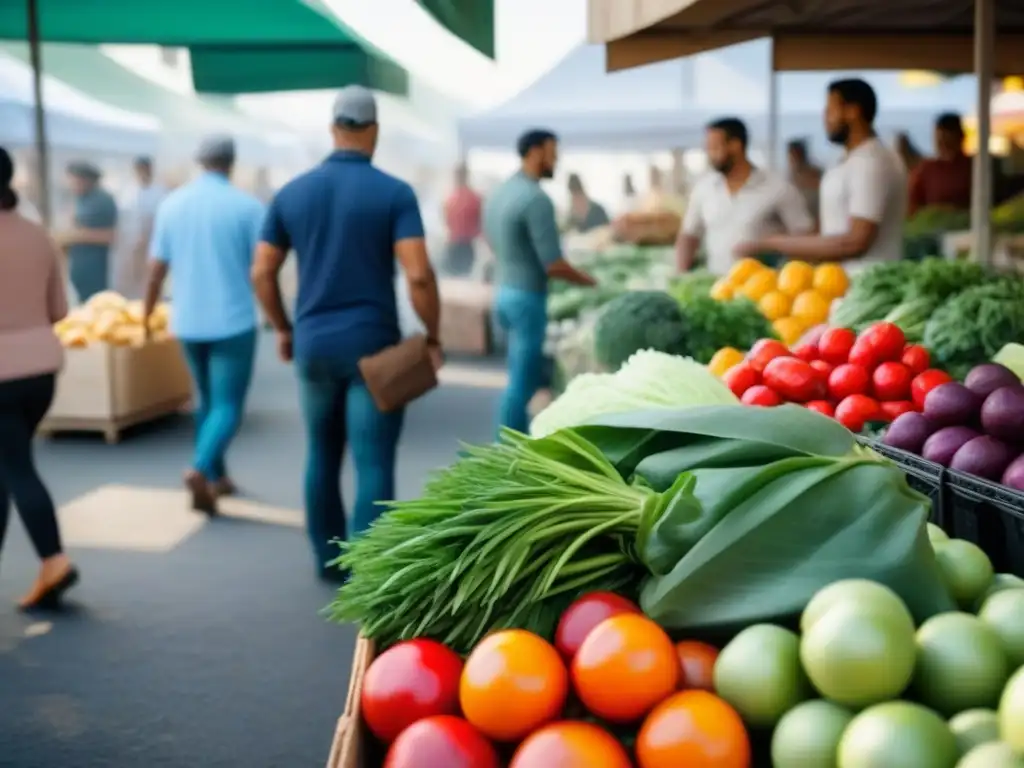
<point>505,537</point>
<point>873,294</point>
<point>713,324</point>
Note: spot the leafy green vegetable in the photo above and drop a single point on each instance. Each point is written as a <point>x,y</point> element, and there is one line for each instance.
<point>713,324</point>
<point>973,326</point>
<point>788,504</point>
<point>873,293</point>
<point>572,303</point>
<point>648,379</point>
<point>937,220</point>
<point>638,320</point>
<point>688,286</point>
<point>506,537</point>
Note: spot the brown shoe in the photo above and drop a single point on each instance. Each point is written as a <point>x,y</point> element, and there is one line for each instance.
<point>224,487</point>
<point>203,497</point>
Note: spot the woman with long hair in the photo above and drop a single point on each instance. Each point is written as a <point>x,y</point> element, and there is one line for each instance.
<point>32,299</point>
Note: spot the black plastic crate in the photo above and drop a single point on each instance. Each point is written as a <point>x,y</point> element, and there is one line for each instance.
<point>923,476</point>
<point>990,515</point>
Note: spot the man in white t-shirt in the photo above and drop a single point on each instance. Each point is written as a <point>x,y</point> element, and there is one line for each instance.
<point>863,198</point>
<point>136,214</point>
<point>736,203</point>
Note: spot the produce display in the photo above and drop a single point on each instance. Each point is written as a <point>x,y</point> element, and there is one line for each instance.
<point>110,318</point>
<point>975,427</point>
<point>794,298</point>
<point>1007,218</point>
<point>700,586</point>
<point>859,379</point>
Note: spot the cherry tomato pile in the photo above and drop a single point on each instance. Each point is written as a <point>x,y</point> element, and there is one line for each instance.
<point>857,379</point>
<point>613,691</point>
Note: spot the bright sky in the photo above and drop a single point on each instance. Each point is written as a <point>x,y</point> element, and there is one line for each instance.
<point>531,36</point>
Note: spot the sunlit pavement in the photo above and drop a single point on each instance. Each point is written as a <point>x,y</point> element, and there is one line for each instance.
<point>195,643</point>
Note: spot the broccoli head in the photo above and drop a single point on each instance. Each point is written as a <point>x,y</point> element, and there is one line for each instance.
<point>638,320</point>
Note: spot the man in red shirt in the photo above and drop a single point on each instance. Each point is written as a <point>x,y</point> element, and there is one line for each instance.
<point>462,216</point>
<point>945,180</point>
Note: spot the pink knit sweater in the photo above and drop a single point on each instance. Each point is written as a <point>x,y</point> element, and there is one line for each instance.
<point>32,299</point>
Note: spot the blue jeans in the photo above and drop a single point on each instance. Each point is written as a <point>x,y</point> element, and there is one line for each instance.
<point>524,317</point>
<point>222,372</point>
<point>339,411</point>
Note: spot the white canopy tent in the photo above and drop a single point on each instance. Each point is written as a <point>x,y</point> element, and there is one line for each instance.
<point>75,121</point>
<point>667,104</point>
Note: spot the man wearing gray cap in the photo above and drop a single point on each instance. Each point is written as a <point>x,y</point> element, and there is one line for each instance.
<point>206,233</point>
<point>89,241</point>
<point>347,222</point>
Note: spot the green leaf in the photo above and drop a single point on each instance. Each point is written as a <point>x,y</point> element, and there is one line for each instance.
<point>628,438</point>
<point>815,522</point>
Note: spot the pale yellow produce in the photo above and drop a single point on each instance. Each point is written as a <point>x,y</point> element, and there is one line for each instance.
<point>811,307</point>
<point>742,271</point>
<point>759,284</point>
<point>109,318</point>
<point>790,329</point>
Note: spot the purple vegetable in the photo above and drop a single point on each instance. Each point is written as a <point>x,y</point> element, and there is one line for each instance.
<point>943,445</point>
<point>1014,474</point>
<point>908,431</point>
<point>983,456</point>
<point>985,379</point>
<point>1002,415</point>
<point>951,404</point>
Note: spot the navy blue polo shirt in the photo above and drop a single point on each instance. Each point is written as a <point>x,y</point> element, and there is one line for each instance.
<point>343,219</point>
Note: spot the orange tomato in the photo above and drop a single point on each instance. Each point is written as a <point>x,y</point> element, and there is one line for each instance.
<point>625,666</point>
<point>571,744</point>
<point>696,665</point>
<point>513,683</point>
<point>696,729</point>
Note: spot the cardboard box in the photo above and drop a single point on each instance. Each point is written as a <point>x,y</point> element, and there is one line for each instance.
<point>350,747</point>
<point>466,308</point>
<point>105,388</point>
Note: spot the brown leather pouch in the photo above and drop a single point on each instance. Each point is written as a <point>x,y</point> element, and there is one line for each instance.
<point>399,374</point>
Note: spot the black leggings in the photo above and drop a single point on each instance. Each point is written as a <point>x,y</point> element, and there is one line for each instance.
<point>23,403</point>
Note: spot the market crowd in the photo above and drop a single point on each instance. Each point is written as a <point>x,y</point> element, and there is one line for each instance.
<point>352,227</point>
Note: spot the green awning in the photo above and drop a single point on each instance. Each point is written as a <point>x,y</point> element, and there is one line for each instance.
<point>237,46</point>
<point>470,20</point>
<point>88,69</point>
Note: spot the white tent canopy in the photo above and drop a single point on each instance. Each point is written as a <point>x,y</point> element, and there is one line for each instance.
<point>666,105</point>
<point>74,121</point>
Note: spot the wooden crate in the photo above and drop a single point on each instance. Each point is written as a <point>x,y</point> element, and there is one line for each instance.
<point>349,747</point>
<point>105,388</point>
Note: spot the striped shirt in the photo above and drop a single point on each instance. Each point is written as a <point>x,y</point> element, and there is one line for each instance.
<point>521,228</point>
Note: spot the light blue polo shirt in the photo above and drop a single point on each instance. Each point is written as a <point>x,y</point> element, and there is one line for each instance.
<point>207,231</point>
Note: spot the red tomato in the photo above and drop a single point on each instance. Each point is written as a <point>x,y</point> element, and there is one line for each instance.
<point>442,740</point>
<point>895,408</point>
<point>740,378</point>
<point>848,379</point>
<point>823,368</point>
<point>835,344</point>
<point>812,335</point>
<point>806,352</point>
<point>696,665</point>
<point>924,383</point>
<point>759,394</point>
<point>824,407</point>
<point>793,379</point>
<point>864,355</point>
<point>571,743</point>
<point>886,339</point>
<point>583,615</point>
<point>764,351</point>
<point>891,381</point>
<point>916,358</point>
<point>408,682</point>
<point>855,411</point>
